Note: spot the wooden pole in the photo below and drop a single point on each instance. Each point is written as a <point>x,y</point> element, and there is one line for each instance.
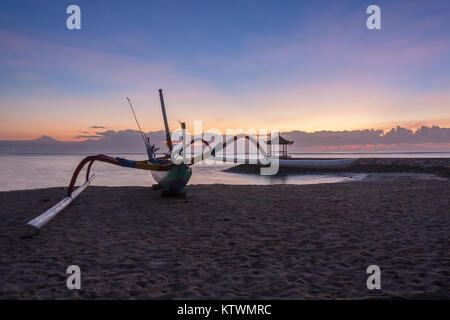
<point>166,125</point>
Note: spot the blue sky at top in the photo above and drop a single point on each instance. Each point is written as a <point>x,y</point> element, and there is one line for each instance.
<point>237,52</point>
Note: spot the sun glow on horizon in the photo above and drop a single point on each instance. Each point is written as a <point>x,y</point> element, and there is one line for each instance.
<point>289,72</point>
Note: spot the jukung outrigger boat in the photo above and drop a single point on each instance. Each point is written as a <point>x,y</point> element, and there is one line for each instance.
<point>171,176</point>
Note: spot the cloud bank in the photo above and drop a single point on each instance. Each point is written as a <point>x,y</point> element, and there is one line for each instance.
<point>397,139</point>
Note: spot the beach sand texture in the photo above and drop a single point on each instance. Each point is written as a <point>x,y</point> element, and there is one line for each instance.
<point>232,242</point>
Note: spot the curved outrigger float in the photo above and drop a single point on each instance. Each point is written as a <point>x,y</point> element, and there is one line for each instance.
<point>172,177</point>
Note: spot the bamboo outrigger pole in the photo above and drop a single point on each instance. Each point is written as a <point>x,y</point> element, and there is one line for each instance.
<point>48,215</point>
<point>166,125</point>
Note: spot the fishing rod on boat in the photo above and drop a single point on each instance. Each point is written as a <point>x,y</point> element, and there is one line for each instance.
<point>137,122</point>
<point>144,136</point>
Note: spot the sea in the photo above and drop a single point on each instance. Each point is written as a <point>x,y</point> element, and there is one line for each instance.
<point>33,171</point>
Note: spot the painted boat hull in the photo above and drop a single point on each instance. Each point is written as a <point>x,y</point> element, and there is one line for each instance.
<point>175,179</point>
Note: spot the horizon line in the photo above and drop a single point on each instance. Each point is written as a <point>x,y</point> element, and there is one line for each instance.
<point>94,138</point>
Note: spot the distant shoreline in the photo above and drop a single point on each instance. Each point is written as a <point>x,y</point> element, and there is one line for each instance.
<point>436,166</point>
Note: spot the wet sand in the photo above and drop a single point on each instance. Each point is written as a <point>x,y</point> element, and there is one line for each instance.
<point>232,242</point>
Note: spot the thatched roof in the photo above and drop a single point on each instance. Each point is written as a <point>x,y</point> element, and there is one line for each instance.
<point>281,140</point>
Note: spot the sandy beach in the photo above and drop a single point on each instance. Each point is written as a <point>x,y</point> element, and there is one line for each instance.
<point>232,242</point>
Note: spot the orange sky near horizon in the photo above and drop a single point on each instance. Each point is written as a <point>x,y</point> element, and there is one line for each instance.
<point>302,75</point>
<point>63,133</point>
<point>304,108</point>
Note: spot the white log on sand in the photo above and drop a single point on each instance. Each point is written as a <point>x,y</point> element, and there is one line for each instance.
<point>48,215</point>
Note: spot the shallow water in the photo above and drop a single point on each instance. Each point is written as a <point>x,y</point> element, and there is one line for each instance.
<point>31,171</point>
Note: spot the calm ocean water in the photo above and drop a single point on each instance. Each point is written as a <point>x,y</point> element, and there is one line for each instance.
<point>31,171</point>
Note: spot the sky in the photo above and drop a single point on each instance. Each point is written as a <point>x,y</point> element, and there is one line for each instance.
<point>286,65</point>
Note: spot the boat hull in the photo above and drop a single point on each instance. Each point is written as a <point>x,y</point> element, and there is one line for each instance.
<point>175,179</point>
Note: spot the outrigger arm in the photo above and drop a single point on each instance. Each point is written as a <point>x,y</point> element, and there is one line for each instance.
<point>144,165</point>
<point>44,218</point>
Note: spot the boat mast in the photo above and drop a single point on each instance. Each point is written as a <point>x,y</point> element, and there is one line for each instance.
<point>166,125</point>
